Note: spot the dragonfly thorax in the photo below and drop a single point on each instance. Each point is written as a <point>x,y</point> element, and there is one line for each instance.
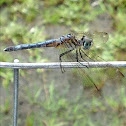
<point>86,42</point>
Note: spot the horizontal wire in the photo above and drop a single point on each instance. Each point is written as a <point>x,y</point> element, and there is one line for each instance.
<point>54,65</point>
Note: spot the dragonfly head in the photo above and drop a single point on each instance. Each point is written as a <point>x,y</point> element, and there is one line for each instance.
<point>86,42</point>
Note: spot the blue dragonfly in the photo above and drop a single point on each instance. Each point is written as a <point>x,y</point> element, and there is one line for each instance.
<point>75,49</point>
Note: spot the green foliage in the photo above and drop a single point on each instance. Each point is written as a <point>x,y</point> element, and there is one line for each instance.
<point>117,11</point>
<point>70,12</point>
<point>123,98</point>
<point>30,120</point>
<point>5,108</point>
<point>33,97</point>
<point>114,47</point>
<point>6,2</point>
<point>5,74</point>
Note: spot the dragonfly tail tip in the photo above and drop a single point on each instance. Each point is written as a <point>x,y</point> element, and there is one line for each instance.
<point>5,49</point>
<point>8,49</point>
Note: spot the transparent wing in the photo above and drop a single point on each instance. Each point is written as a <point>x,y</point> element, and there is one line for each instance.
<point>98,38</point>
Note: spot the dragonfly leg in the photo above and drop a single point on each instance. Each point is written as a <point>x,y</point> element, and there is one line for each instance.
<point>77,55</point>
<point>81,55</point>
<point>78,58</point>
<point>82,59</point>
<point>87,56</point>
<point>60,58</point>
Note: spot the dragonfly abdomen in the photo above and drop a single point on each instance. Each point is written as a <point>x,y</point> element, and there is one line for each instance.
<point>48,43</point>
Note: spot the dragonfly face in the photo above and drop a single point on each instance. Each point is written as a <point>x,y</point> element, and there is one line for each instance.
<point>86,42</point>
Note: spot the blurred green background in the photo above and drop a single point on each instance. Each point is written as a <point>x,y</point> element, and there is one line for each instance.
<point>48,97</point>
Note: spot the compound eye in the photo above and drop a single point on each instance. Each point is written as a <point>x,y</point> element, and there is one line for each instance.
<point>87,44</point>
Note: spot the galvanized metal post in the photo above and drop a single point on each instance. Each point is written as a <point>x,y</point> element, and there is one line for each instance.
<point>15,102</point>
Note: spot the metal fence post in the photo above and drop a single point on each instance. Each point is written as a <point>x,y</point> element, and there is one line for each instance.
<point>15,102</point>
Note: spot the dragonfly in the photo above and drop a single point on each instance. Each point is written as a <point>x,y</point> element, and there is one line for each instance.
<point>70,43</point>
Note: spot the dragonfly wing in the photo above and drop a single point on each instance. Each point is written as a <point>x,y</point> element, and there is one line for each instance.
<point>82,74</point>
<point>100,37</point>
<point>108,73</point>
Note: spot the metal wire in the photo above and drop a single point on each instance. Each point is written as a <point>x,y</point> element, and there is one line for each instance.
<point>55,65</point>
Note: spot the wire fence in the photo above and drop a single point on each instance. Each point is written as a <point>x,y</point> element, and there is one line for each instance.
<point>16,66</point>
<point>55,65</point>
